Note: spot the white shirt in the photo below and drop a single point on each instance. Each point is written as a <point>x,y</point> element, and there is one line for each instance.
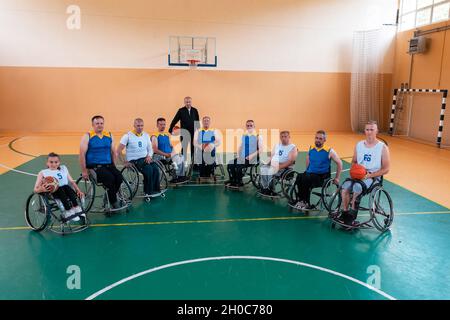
<point>137,147</point>
<point>281,152</point>
<point>370,158</point>
<point>59,174</point>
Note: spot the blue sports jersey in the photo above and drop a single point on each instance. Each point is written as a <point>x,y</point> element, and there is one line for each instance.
<point>163,142</point>
<point>99,149</point>
<point>319,160</point>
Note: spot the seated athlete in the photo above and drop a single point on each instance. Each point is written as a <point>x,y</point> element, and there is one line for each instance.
<point>283,156</point>
<point>97,153</point>
<point>318,167</point>
<point>248,155</point>
<point>374,156</point>
<point>206,140</point>
<point>163,151</point>
<point>139,152</point>
<point>64,193</point>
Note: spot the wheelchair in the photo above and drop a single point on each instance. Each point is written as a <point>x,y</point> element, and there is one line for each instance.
<point>135,179</point>
<point>89,188</point>
<point>379,205</point>
<point>280,183</point>
<point>171,172</point>
<point>217,176</point>
<point>43,211</point>
<point>249,174</point>
<point>322,194</point>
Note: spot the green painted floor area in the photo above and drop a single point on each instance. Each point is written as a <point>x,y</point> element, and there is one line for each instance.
<point>195,222</point>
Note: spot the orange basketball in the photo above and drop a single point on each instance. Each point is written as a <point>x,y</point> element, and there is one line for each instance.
<point>176,130</point>
<point>52,182</point>
<point>357,172</point>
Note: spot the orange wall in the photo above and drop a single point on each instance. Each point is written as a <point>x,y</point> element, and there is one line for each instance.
<point>429,71</point>
<point>64,99</point>
<point>286,64</point>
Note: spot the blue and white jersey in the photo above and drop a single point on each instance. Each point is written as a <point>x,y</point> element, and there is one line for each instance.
<point>370,158</point>
<point>61,174</point>
<point>281,152</point>
<point>138,145</point>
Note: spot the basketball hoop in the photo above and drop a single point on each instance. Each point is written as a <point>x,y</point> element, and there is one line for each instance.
<point>193,63</point>
<point>193,57</point>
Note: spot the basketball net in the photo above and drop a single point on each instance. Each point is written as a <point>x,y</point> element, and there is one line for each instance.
<point>193,64</point>
<point>192,57</point>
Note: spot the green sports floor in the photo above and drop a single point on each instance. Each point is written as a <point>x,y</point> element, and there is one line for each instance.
<point>202,242</point>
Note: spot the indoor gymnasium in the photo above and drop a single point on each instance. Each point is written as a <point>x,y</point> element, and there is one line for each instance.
<point>224,150</point>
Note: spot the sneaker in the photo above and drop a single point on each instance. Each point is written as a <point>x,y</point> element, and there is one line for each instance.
<point>155,193</point>
<point>174,180</point>
<point>77,209</point>
<point>352,216</point>
<point>83,219</point>
<point>65,214</point>
<point>183,179</point>
<point>300,205</point>
<point>116,205</point>
<point>71,213</point>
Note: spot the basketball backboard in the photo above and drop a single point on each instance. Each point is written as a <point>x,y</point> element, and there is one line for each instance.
<point>186,51</point>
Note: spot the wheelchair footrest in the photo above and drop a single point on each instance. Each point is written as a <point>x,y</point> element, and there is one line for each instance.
<point>234,187</point>
<point>277,196</point>
<point>355,225</point>
<point>155,195</point>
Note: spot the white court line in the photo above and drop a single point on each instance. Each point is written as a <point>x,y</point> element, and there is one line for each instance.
<point>187,185</point>
<point>18,171</point>
<point>341,171</point>
<point>170,265</point>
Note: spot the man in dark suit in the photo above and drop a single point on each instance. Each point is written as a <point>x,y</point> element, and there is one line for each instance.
<point>189,120</point>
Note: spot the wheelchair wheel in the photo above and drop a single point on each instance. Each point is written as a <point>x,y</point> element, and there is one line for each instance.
<point>381,209</point>
<point>37,213</point>
<point>131,175</point>
<point>190,170</point>
<point>246,177</point>
<point>288,183</point>
<point>221,174</point>
<point>88,188</point>
<point>276,186</point>
<point>334,203</point>
<point>329,189</point>
<point>255,176</point>
<point>125,194</point>
<point>163,181</point>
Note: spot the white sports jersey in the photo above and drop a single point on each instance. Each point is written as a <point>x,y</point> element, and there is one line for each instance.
<point>281,152</point>
<point>137,147</point>
<point>370,158</point>
<point>59,174</point>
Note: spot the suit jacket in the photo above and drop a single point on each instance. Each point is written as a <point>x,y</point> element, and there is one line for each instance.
<point>187,121</point>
